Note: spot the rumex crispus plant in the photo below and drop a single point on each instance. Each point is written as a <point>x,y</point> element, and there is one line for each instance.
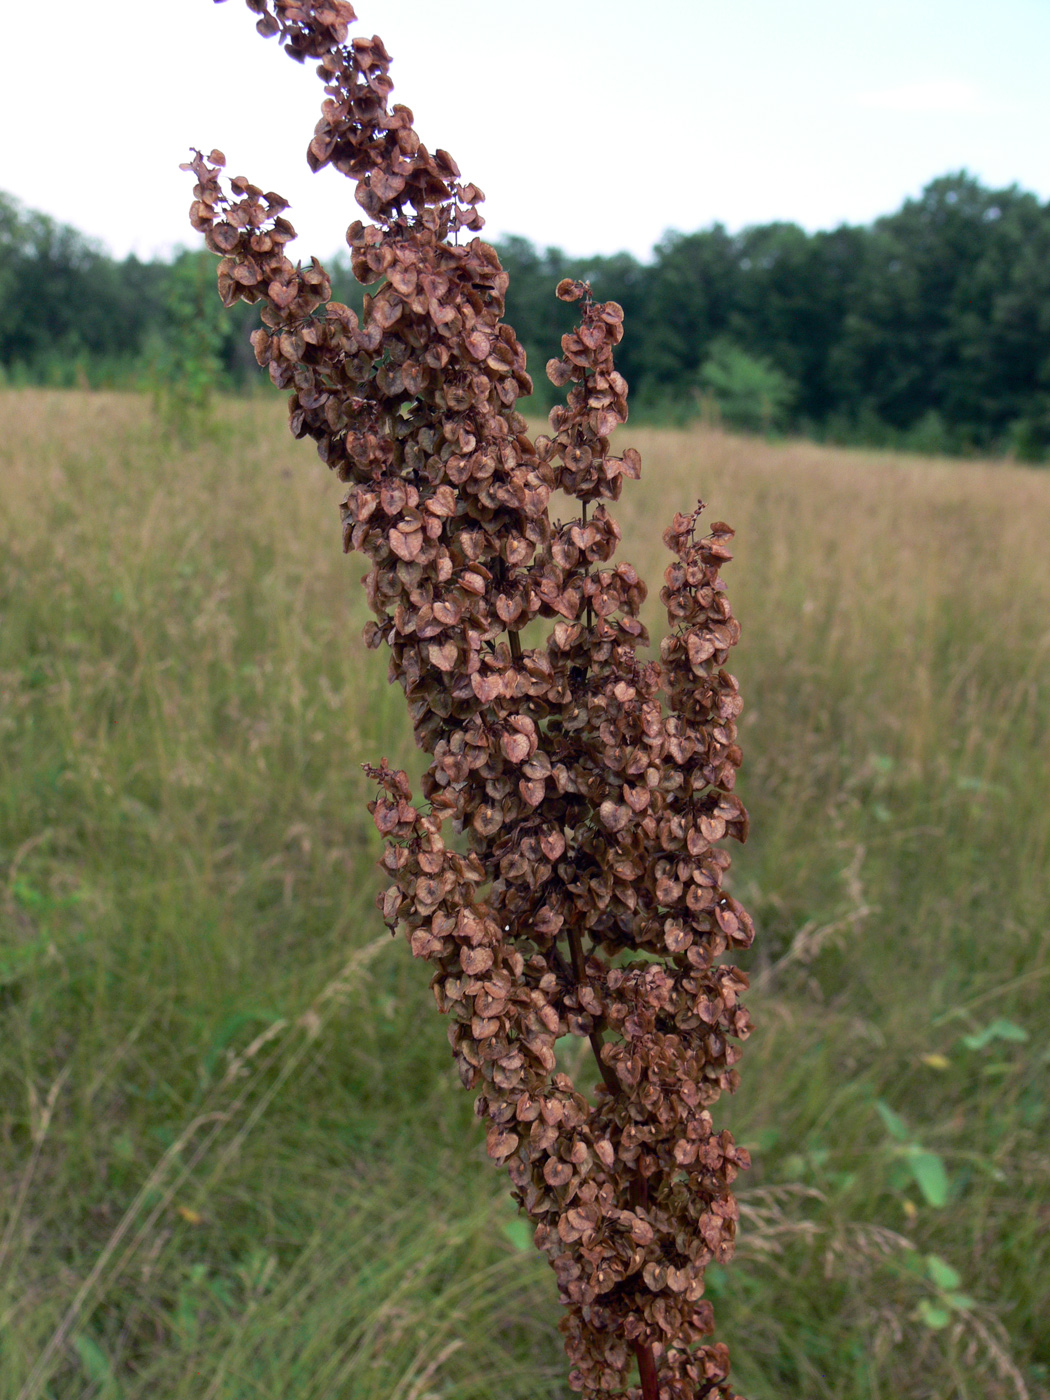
<point>563,875</point>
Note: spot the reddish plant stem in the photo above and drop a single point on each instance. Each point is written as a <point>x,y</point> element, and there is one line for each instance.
<point>639,1186</point>
<point>587,572</point>
<point>576,948</point>
<point>595,1037</point>
<point>643,1350</point>
<point>647,1371</point>
<point>639,1191</point>
<point>611,1082</point>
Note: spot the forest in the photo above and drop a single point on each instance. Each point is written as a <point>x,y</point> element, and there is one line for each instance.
<point>926,330</point>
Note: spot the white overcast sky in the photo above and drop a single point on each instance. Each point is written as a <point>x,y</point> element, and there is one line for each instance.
<point>594,125</point>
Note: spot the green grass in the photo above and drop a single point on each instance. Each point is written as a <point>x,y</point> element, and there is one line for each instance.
<point>235,1162</point>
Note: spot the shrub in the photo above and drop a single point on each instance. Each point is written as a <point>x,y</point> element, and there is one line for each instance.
<point>748,391</point>
<point>187,362</point>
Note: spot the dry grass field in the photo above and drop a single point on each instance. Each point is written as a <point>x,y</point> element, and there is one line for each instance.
<point>235,1163</point>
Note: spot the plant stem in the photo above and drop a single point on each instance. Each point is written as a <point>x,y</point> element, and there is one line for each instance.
<point>587,572</point>
<point>639,1187</point>
<point>647,1371</point>
<point>595,1037</point>
<point>611,1082</point>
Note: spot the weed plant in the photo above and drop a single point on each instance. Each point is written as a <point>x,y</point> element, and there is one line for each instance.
<point>584,896</point>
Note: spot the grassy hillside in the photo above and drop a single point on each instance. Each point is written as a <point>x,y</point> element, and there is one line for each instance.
<point>235,1163</point>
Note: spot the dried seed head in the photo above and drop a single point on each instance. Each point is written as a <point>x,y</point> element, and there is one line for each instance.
<point>588,787</point>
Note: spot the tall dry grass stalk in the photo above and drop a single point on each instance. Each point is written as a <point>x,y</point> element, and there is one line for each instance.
<point>591,787</point>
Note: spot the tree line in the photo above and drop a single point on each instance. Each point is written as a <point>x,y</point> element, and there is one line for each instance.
<point>928,328</point>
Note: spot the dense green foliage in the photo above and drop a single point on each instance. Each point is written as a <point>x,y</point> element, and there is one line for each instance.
<point>70,315</point>
<point>236,1155</point>
<point>65,305</point>
<point>929,329</point>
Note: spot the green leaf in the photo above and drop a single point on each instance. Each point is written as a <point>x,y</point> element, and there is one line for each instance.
<point>94,1360</point>
<point>999,1029</point>
<point>220,1290</point>
<point>1008,1030</point>
<point>961,1302</point>
<point>519,1232</point>
<point>942,1273</point>
<point>930,1175</point>
<point>898,1177</point>
<point>893,1122</point>
<point>933,1315</point>
<point>28,897</point>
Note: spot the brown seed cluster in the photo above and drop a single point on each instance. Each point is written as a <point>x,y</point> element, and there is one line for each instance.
<point>563,877</point>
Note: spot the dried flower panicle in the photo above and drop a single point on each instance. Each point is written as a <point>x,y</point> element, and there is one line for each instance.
<point>563,876</point>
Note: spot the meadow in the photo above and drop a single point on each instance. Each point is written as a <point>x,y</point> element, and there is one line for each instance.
<point>235,1160</point>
